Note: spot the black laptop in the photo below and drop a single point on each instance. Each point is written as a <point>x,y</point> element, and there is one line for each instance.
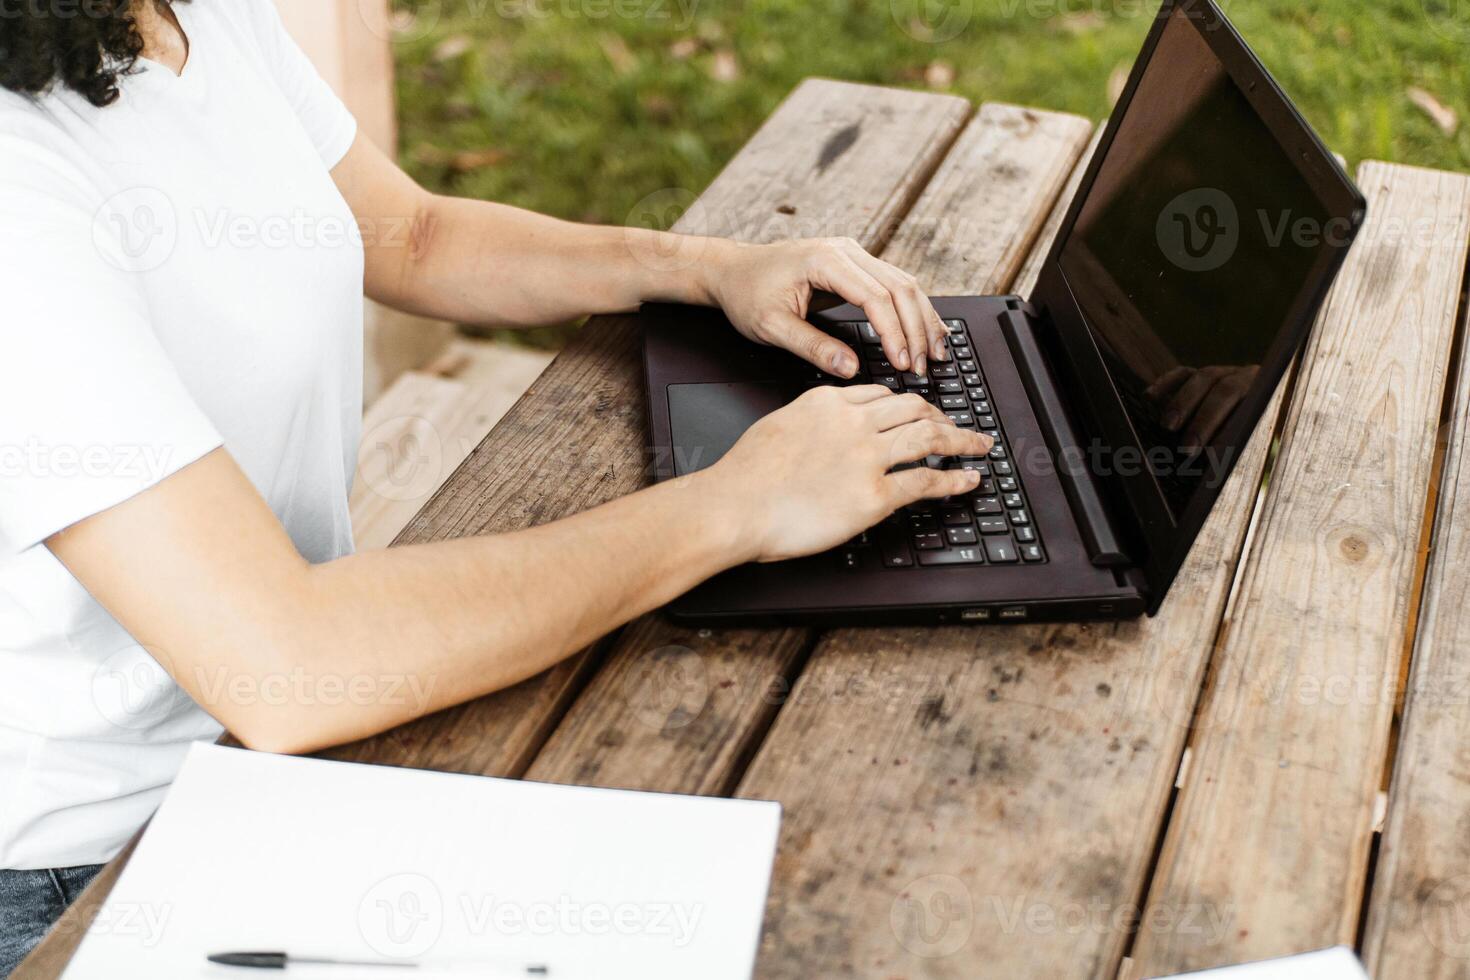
<point>1182,283</point>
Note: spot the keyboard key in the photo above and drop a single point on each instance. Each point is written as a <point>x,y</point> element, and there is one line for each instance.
<point>923,391</point>
<point>1025,534</point>
<point>957,402</point>
<point>998,451</point>
<point>943,371</point>
<point>923,522</point>
<point>980,466</point>
<point>889,381</point>
<point>945,387</point>
<point>1032,552</point>
<point>846,331</point>
<point>911,379</point>
<point>988,507</point>
<point>1014,500</point>
<point>961,535</point>
<point>960,353</point>
<point>928,542</point>
<point>974,382</point>
<point>955,326</point>
<point>967,366</point>
<point>895,549</point>
<point>993,525</point>
<point>849,560</point>
<point>1007,484</point>
<point>963,419</point>
<point>1001,551</point>
<point>955,517</point>
<point>986,488</point>
<point>978,405</point>
<point>1002,468</point>
<point>985,421</point>
<point>880,365</point>
<point>953,556</point>
<point>869,335</point>
<point>1020,518</point>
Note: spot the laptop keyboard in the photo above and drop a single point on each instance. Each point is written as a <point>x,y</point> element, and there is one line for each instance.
<point>993,524</point>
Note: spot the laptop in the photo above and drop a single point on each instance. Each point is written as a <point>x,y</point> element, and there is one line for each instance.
<point>1182,283</point>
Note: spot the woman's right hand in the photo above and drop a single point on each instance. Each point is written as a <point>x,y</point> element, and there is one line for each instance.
<point>817,472</point>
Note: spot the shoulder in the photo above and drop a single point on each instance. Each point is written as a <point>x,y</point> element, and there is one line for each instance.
<point>42,165</point>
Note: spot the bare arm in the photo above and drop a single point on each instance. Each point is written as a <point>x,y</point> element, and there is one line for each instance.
<point>480,262</point>
<point>199,571</point>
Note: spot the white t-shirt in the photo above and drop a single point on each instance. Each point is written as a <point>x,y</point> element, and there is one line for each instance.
<point>177,272</point>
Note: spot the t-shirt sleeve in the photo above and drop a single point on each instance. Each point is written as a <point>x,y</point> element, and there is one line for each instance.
<point>328,123</point>
<point>92,410</point>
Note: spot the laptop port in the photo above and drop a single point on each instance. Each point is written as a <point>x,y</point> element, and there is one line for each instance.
<point>975,615</point>
<point>1013,612</point>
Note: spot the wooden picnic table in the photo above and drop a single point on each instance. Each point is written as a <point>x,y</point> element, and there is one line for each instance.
<point>1279,761</point>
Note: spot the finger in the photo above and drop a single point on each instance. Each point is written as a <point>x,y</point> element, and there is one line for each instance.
<point>1188,398</point>
<point>916,440</point>
<point>907,486</point>
<point>836,272</point>
<point>915,312</point>
<point>1166,383</point>
<point>807,342</point>
<point>889,413</point>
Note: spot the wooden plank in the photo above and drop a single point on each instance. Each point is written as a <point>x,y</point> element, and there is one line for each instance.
<point>987,802</point>
<point>1420,903</point>
<point>1011,777</point>
<point>835,158</point>
<point>1031,271</point>
<point>678,710</point>
<point>1273,828</point>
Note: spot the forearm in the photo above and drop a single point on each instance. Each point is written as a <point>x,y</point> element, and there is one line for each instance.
<point>487,263</point>
<point>415,629</point>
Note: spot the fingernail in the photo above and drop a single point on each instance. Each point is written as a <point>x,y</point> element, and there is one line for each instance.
<point>941,352</point>
<point>902,361</point>
<point>972,477</point>
<point>921,368</point>
<point>843,365</point>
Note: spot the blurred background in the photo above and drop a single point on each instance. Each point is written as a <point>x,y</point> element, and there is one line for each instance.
<point>580,108</point>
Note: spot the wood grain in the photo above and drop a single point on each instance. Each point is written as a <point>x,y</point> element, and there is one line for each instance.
<point>1273,827</point>
<point>1420,904</point>
<point>623,732</point>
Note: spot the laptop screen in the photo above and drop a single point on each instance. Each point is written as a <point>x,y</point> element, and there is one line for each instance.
<point>1195,240</point>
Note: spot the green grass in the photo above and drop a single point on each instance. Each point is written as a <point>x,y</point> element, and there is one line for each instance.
<point>580,108</point>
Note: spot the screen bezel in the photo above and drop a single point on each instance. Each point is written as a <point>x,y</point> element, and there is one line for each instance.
<point>1162,541</point>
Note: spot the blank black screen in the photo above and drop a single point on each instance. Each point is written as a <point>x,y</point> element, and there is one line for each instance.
<point>1195,241</point>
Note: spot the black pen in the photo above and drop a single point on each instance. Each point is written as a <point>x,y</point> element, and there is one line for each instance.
<point>274,960</point>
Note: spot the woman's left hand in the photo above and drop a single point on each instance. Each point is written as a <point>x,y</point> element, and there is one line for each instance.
<point>765,291</point>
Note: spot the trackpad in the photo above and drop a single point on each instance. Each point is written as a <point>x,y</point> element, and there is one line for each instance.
<point>706,419</point>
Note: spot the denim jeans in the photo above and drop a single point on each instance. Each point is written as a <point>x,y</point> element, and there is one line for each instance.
<point>30,901</point>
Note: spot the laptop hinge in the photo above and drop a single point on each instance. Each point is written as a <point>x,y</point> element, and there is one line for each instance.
<point>1068,454</point>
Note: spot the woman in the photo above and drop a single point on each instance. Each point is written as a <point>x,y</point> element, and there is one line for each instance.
<point>179,409</point>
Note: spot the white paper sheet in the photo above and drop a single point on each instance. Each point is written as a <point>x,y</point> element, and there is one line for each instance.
<point>480,876</point>
<point>1337,963</point>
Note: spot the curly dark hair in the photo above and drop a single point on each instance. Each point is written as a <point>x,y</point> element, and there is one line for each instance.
<point>84,44</point>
